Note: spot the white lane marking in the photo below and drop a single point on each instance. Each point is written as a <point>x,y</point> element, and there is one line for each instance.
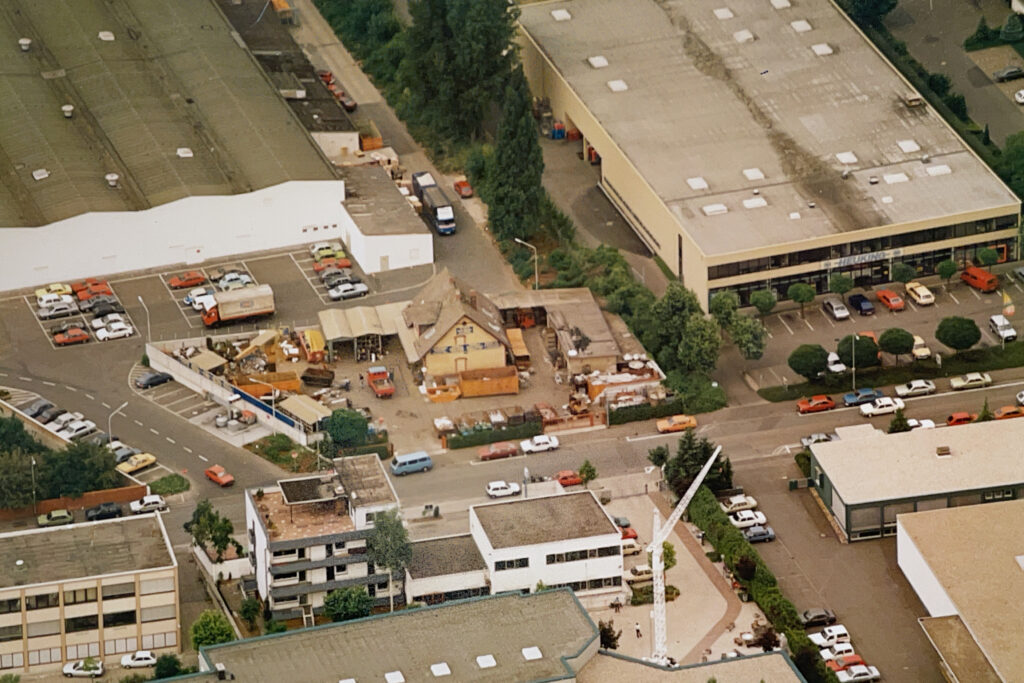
<point>4,374</point>
<point>90,397</point>
<point>203,458</point>
<point>953,298</point>
<point>645,438</point>
<point>49,384</point>
<point>105,405</point>
<point>785,325</point>
<point>70,388</point>
<point>186,449</point>
<point>154,431</point>
<point>137,422</point>
<point>808,323</point>
<point>170,440</point>
<point>25,379</point>
<point>975,293</point>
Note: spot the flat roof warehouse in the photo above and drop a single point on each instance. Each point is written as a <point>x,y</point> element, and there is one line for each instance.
<point>721,100</point>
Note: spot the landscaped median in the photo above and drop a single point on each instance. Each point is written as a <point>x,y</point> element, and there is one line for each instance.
<point>762,586</point>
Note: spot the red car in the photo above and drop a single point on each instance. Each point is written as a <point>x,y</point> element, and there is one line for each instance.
<point>332,262</point>
<point>73,335</point>
<point>890,299</point>
<point>961,418</point>
<point>463,189</point>
<point>568,478</point>
<point>90,291</point>
<point>815,404</point>
<point>88,282</point>
<point>843,662</point>
<point>192,278</point>
<point>494,451</point>
<point>219,476</point>
<point>628,533</point>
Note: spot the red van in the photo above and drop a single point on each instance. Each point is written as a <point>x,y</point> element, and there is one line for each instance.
<point>980,279</point>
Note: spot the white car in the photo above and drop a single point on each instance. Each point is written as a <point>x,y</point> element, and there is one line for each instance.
<point>84,668</point>
<point>77,429</point>
<point>114,331</point>
<point>100,323</point>
<point>921,295</point>
<point>348,290</point>
<point>501,489</point>
<point>837,650</point>
<point>150,503</point>
<point>63,420</point>
<point>830,635</point>
<point>858,672</point>
<point>737,503</point>
<point>834,364</point>
<point>915,387</point>
<point>747,518</point>
<point>193,297</point>
<point>972,380</point>
<point>920,350</point>
<point>539,444</point>
<point>1020,398</point>
<point>817,437</point>
<point>319,246</point>
<point>881,406</point>
<point>138,660</point>
<point>231,279</point>
<point>1018,97</point>
<point>920,424</point>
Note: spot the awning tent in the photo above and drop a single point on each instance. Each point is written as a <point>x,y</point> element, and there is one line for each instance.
<point>305,409</point>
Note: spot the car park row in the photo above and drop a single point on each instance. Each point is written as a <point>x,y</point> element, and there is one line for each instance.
<point>75,302</point>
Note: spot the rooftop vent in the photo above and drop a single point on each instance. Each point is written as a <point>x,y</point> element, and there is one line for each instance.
<point>440,669</point>
<point>845,174</point>
<point>744,36</point>
<point>68,110</point>
<point>754,203</point>
<point>618,86</point>
<point>893,178</point>
<point>794,216</point>
<point>598,61</point>
<point>531,653</point>
<point>112,179</point>
<point>939,169</point>
<point>873,180</point>
<point>781,4</point>
<point>394,677</point>
<point>486,662</point>
<point>800,25</point>
<point>887,199</point>
<point>106,36</point>
<point>561,15</point>
<point>25,44</point>
<point>943,451</point>
<point>697,183</point>
<point>909,146</point>
<point>846,157</point>
<point>184,152</point>
<point>926,158</point>
<point>714,209</point>
<point>822,49</point>
<point>753,174</point>
<point>40,174</point>
<point>723,13</point>
<point>812,205</point>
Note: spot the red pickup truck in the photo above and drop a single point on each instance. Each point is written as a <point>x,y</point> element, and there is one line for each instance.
<point>379,380</point>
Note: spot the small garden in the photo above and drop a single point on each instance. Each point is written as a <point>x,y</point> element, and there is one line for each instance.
<point>169,484</point>
<point>285,453</point>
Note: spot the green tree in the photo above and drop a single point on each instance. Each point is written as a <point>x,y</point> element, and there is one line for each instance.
<point>10,678</point>
<point>1012,30</point>
<point>946,269</point>
<point>346,428</point>
<point>987,256</point>
<point>896,341</point>
<point>802,293</point>
<point>669,316</point>
<point>130,678</point>
<point>986,413</point>
<point>668,555</point>
<point>902,273</point>
<point>167,666</point>
<point>750,336</point>
<point>211,628</point>
<point>957,104</point>
<point>515,186</point>
<point>808,360</point>
<point>958,333</point>
<point>763,300</point>
<point>78,468</point>
<point>658,455</point>
<point>609,636</point>
<point>766,639</point>
<point>208,527</point>
<point>870,11</point>
<point>840,283</point>
<point>16,484</point>
<point>690,456</point>
<point>899,422</point>
<point>982,35</point>
<point>389,547</point>
<point>249,611</point>
<point>588,473</point>
<point>352,602</point>
<point>723,307</point>
<point>1011,163</point>
<point>986,136</point>
<point>273,626</point>
<point>698,349</point>
<point>939,83</point>
<point>14,437</point>
<point>865,348</point>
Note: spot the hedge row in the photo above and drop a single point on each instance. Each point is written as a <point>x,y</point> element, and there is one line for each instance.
<point>383,450</point>
<point>511,433</point>
<point>645,412</point>
<point>705,512</point>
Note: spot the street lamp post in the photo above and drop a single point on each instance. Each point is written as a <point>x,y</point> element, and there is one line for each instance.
<point>853,360</point>
<point>149,330</point>
<point>536,276</point>
<point>110,420</point>
<point>273,399</point>
<point>34,511</point>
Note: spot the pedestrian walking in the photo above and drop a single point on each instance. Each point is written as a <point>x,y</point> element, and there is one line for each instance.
<point>638,634</point>
<point>362,382</point>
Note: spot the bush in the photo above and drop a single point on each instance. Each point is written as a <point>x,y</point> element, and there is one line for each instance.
<point>957,104</point>
<point>512,433</point>
<point>169,484</point>
<point>383,450</point>
<point>644,595</point>
<point>803,461</point>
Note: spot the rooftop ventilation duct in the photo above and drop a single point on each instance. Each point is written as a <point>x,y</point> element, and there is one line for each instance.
<point>68,110</point>
<point>25,44</point>
<point>112,180</point>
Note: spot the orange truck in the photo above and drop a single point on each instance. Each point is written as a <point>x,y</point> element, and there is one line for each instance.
<point>379,380</point>
<point>238,305</point>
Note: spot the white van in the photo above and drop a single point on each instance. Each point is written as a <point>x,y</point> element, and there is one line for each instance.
<point>1002,328</point>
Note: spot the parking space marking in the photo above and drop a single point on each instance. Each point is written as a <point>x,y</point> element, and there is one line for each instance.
<point>90,397</point>
<point>912,306</point>
<point>1017,285</point>
<point>988,335</point>
<point>70,388</point>
<point>313,280</point>
<point>137,422</point>
<point>105,405</point>
<point>186,449</point>
<point>827,319</point>
<point>785,325</point>
<point>975,293</point>
<point>25,379</point>
<point>808,323</point>
<point>953,298</point>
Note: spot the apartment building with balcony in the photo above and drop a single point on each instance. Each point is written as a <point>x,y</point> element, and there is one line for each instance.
<point>308,536</point>
<point>96,589</point>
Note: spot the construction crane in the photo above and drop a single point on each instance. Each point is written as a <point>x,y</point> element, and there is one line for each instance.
<point>659,654</point>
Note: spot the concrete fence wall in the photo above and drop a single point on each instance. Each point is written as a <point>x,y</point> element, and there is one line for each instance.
<point>125,494</point>
<point>37,430</point>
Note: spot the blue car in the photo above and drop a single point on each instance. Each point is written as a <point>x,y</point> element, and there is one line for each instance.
<point>863,395</point>
<point>860,303</point>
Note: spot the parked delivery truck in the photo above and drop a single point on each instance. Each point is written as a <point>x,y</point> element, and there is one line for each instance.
<point>436,207</point>
<point>238,304</point>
